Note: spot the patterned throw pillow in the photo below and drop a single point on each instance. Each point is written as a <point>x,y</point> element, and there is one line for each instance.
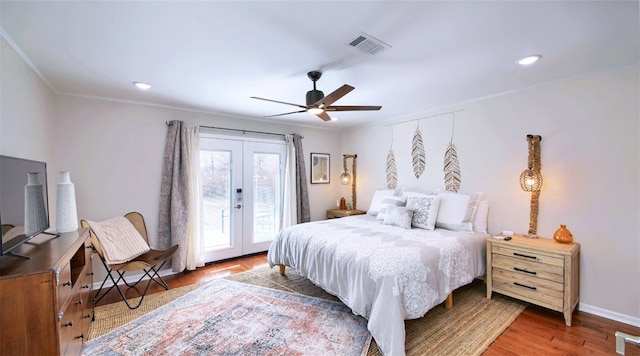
<point>395,200</point>
<point>398,216</point>
<point>425,210</point>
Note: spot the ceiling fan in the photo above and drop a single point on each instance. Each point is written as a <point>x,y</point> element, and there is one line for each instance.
<point>318,104</point>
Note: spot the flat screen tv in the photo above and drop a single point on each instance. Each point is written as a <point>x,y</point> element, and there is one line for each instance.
<point>24,203</point>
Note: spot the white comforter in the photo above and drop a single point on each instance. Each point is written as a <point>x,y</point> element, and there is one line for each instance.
<point>384,273</point>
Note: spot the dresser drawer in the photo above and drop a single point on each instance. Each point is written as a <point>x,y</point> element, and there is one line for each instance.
<point>528,288</point>
<point>64,285</point>
<point>528,267</point>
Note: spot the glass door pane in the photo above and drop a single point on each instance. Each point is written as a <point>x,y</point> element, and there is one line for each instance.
<point>266,196</point>
<point>215,171</point>
<point>221,176</point>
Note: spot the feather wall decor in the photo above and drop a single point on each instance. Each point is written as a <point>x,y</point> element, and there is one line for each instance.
<point>392,171</point>
<point>452,178</point>
<point>417,153</point>
<point>452,174</point>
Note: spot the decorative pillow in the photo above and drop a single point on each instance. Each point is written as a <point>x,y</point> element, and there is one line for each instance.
<point>398,216</point>
<point>120,240</point>
<point>456,211</point>
<point>482,216</point>
<point>376,201</point>
<point>425,210</point>
<point>394,200</point>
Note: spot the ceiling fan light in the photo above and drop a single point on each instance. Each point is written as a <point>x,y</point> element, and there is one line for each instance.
<point>528,60</point>
<point>315,111</point>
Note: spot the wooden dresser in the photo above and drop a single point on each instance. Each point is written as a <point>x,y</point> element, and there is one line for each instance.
<point>539,271</point>
<point>44,301</point>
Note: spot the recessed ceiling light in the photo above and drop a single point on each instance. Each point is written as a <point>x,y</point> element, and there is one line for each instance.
<point>333,118</point>
<point>142,86</point>
<point>529,60</point>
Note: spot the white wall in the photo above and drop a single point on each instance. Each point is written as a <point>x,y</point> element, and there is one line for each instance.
<point>26,109</point>
<point>590,164</point>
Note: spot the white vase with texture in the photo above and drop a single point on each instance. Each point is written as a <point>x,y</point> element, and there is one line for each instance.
<point>66,210</point>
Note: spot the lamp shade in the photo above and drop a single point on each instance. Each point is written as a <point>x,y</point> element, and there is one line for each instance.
<point>345,178</point>
<point>531,180</point>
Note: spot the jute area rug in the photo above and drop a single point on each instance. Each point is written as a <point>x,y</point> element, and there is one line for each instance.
<point>467,329</point>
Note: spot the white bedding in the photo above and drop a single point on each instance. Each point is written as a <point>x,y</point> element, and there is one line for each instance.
<point>384,273</point>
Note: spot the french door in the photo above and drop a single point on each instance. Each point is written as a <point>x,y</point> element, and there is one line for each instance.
<point>242,181</point>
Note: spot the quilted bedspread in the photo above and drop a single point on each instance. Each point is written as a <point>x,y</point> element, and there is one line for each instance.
<point>384,273</point>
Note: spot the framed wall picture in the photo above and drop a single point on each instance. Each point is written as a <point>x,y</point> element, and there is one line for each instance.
<point>320,173</point>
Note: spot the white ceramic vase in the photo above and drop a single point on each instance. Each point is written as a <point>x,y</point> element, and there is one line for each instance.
<point>66,210</point>
<point>35,214</point>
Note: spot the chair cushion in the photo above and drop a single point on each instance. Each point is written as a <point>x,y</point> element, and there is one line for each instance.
<point>119,239</point>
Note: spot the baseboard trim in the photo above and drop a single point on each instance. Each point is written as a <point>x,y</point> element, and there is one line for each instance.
<point>622,318</point>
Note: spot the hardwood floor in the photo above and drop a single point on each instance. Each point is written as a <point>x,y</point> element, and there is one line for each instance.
<point>536,331</point>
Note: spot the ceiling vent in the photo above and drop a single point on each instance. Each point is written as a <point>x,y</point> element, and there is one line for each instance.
<point>368,44</point>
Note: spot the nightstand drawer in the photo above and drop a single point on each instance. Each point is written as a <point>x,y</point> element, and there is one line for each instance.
<point>530,255</point>
<point>524,267</point>
<point>532,289</point>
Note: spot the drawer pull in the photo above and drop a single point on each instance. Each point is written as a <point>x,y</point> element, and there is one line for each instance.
<point>87,316</point>
<point>85,286</point>
<point>79,302</point>
<point>81,336</point>
<point>524,270</point>
<point>525,256</point>
<point>67,283</point>
<point>68,324</point>
<point>522,285</point>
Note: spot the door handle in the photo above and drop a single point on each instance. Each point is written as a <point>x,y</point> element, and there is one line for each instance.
<point>238,206</point>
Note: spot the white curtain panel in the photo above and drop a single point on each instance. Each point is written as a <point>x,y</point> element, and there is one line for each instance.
<point>289,206</point>
<point>195,238</point>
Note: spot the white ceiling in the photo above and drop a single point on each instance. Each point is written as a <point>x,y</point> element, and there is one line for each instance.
<point>211,56</point>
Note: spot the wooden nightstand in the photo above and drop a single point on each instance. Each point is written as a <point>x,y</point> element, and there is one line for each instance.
<point>539,271</point>
<point>339,213</point>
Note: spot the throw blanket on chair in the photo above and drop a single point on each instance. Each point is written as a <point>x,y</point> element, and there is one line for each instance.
<point>120,240</point>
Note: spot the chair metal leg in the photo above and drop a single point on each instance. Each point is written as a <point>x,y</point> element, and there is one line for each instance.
<point>152,273</point>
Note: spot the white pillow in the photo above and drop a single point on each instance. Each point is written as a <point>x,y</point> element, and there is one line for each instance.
<point>425,210</point>
<point>376,201</point>
<point>393,200</point>
<point>120,240</point>
<point>456,211</point>
<point>398,216</point>
<point>482,216</point>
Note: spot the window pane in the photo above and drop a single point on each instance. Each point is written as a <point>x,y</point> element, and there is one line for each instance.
<point>266,196</point>
<point>215,172</point>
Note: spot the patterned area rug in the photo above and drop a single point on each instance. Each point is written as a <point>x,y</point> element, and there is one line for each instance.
<point>227,317</point>
<point>467,329</point>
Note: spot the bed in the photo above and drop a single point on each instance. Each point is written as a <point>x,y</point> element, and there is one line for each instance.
<point>383,272</point>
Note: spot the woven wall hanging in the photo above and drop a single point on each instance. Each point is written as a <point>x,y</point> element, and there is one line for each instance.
<point>417,153</point>
<point>452,174</point>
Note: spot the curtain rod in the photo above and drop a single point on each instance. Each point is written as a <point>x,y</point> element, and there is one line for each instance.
<point>169,123</point>
<point>426,117</point>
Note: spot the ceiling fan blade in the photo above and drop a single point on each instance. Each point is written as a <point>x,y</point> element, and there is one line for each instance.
<point>324,116</point>
<point>352,108</point>
<point>287,113</point>
<point>280,102</point>
<point>337,94</point>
